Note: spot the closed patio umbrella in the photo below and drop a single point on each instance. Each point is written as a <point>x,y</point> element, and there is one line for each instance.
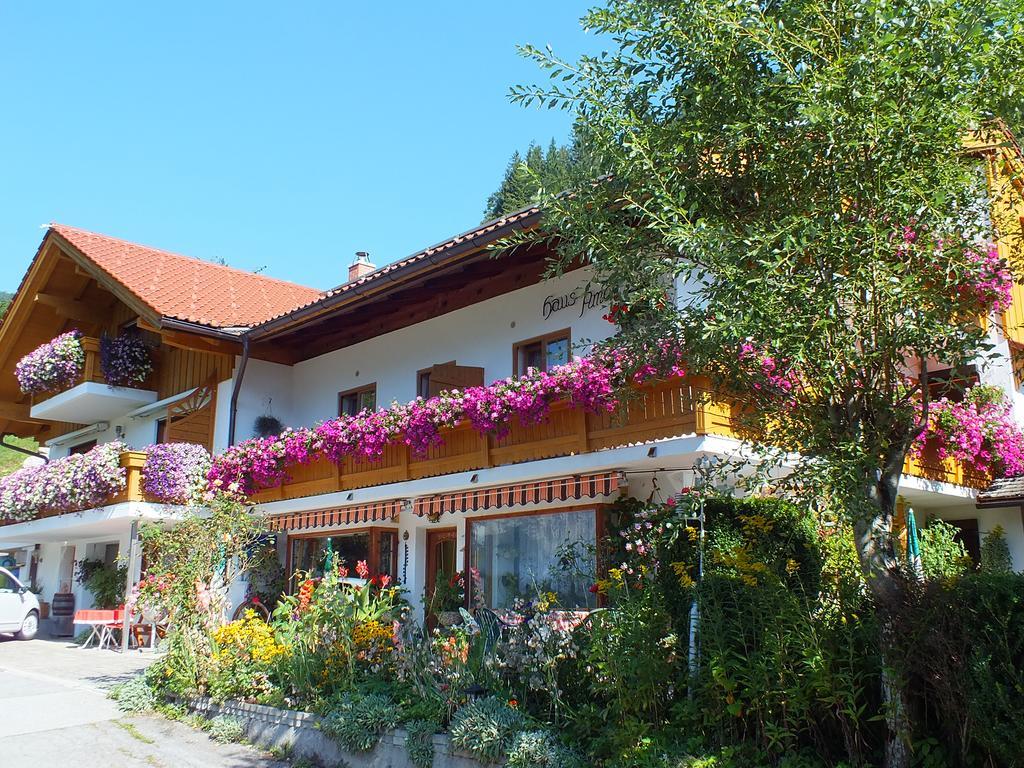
<point>914,546</point>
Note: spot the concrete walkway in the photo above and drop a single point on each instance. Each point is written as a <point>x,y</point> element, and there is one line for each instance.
<point>54,712</point>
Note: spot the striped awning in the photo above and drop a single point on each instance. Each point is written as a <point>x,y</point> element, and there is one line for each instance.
<point>591,487</point>
<point>332,518</point>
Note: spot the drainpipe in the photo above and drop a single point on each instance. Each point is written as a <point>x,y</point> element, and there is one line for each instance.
<point>236,388</point>
<point>26,451</point>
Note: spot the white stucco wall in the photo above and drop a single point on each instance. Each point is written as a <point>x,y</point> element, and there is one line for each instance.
<point>479,335</point>
<point>266,389</point>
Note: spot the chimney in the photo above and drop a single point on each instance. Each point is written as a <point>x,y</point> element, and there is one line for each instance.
<point>360,267</point>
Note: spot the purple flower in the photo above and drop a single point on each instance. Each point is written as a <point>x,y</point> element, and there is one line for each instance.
<point>54,365</point>
<point>175,472</point>
<point>125,359</point>
<point>71,484</point>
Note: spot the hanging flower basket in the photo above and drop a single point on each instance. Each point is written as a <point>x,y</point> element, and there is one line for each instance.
<point>125,359</point>
<point>55,365</point>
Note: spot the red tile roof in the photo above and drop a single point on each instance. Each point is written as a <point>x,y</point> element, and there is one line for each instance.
<point>185,288</point>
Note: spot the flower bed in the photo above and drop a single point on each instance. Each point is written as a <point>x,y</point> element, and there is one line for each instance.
<point>125,359</point>
<point>74,483</point>
<point>588,383</point>
<point>175,472</point>
<point>52,366</point>
<point>299,733</point>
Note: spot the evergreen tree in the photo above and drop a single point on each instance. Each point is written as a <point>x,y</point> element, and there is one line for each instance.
<point>541,172</point>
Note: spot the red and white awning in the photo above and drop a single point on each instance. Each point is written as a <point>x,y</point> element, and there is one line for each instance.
<point>337,516</point>
<point>591,487</point>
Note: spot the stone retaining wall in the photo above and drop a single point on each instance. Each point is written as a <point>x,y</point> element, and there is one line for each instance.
<point>298,732</point>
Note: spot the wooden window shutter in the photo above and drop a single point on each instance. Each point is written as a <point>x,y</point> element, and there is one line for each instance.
<point>447,376</point>
<point>191,420</point>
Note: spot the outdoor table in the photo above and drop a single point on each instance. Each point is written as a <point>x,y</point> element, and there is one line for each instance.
<point>102,623</point>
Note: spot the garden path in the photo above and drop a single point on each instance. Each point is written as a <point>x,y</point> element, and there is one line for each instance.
<point>54,712</point>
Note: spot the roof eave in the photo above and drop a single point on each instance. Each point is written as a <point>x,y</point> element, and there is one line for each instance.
<point>418,263</point>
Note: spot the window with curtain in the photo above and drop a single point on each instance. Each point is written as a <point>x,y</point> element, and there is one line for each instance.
<point>517,557</point>
<point>309,555</point>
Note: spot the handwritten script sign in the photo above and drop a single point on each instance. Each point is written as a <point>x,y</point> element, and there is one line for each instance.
<point>586,297</point>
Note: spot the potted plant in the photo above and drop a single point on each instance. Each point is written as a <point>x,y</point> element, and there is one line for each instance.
<point>449,595</point>
<point>125,359</point>
<point>106,583</point>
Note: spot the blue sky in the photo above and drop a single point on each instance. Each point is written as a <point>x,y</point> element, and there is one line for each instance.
<point>283,136</point>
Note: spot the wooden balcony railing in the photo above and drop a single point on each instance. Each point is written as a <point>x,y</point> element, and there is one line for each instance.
<point>132,461</point>
<point>660,410</point>
<point>930,467</point>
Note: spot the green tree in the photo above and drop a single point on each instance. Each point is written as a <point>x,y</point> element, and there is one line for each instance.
<point>527,180</point>
<point>799,165</point>
<point>5,302</point>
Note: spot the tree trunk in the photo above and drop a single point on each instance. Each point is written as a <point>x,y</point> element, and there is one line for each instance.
<point>881,566</point>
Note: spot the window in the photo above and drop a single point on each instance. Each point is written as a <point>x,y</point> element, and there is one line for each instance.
<point>542,353</point>
<point>517,556</point>
<point>423,383</point>
<point>444,377</point>
<point>161,431</point>
<point>353,401</point>
<point>82,447</point>
<point>377,546</point>
<point>1017,361</point>
<point>7,583</point>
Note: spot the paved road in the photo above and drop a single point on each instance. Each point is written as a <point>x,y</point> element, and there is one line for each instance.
<point>54,713</point>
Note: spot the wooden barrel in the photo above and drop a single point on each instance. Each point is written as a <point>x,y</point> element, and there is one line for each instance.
<point>63,604</point>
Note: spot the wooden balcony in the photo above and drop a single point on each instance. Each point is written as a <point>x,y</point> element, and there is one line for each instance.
<point>132,461</point>
<point>91,370</point>
<point>89,398</point>
<point>660,410</point>
<point>930,467</point>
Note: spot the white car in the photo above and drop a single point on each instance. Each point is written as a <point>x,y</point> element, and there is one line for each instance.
<point>19,608</point>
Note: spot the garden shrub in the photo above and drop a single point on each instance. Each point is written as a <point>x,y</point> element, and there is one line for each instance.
<point>225,729</point>
<point>485,728</point>
<point>135,695</point>
<point>995,552</point>
<point>243,660</point>
<point>357,722</point>
<point>943,556</point>
<point>964,646</point>
<point>540,749</point>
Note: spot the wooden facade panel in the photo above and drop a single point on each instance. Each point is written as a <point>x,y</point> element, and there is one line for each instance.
<point>561,434</point>
<point>392,467</point>
<point>192,420</point>
<point>182,369</point>
<point>463,449</point>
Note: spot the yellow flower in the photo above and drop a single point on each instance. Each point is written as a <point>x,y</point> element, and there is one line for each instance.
<point>683,574</point>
